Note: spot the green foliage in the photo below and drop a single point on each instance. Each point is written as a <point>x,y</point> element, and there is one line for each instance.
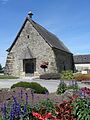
<point>33,85</point>
<point>7,77</point>
<point>1,118</point>
<point>73,85</point>
<point>67,75</point>
<point>50,76</point>
<point>81,109</point>
<point>61,88</point>
<point>45,106</point>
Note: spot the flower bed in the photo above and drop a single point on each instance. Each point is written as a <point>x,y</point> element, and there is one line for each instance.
<point>82,77</point>
<point>23,105</point>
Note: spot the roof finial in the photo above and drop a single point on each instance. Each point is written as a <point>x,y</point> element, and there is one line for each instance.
<point>30,14</point>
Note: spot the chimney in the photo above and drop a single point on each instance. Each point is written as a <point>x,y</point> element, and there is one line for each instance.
<point>30,14</point>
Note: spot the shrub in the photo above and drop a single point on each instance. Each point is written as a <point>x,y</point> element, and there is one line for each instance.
<point>61,88</point>
<point>33,85</point>
<point>50,76</point>
<point>73,85</point>
<point>67,75</point>
<point>80,77</point>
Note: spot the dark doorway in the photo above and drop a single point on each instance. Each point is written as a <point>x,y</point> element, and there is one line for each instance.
<point>29,66</point>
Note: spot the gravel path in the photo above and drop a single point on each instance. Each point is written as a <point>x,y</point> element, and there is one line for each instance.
<point>51,85</point>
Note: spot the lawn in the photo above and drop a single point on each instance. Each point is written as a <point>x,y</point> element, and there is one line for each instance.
<point>7,77</point>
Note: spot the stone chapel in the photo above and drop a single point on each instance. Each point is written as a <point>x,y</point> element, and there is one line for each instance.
<point>33,46</point>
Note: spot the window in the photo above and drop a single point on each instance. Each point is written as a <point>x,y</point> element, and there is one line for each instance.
<point>28,36</point>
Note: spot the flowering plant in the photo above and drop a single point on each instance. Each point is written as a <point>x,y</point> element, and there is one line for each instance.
<point>86,90</point>
<point>43,117</point>
<point>63,111</point>
<point>44,65</point>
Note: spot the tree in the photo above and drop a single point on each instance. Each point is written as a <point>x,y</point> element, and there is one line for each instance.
<point>1,68</point>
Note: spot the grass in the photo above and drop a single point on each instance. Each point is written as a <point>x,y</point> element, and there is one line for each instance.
<point>7,77</point>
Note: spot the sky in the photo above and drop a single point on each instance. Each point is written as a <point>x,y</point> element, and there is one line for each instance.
<point>69,20</point>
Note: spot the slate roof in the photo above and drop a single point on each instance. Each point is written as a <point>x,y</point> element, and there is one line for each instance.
<point>50,38</point>
<point>81,59</point>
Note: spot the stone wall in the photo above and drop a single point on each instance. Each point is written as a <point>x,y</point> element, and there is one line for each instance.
<point>30,38</point>
<point>64,60</point>
<point>9,64</point>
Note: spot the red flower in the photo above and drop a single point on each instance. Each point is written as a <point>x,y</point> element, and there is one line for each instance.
<point>48,115</point>
<point>35,114</point>
<point>44,65</point>
<point>42,117</point>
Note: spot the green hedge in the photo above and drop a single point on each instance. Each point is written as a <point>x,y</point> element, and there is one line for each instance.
<point>50,76</point>
<point>33,85</point>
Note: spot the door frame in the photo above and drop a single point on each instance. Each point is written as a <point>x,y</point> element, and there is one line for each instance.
<point>26,67</point>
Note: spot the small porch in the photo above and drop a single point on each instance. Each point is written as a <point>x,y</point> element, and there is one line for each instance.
<point>29,67</point>
<point>28,63</point>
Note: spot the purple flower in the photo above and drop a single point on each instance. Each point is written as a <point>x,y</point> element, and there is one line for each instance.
<point>46,94</point>
<point>15,100</point>
<point>32,93</point>
<point>26,98</point>
<point>4,111</point>
<point>21,94</point>
<point>76,83</point>
<point>82,93</point>
<point>15,110</point>
<point>12,113</point>
<point>25,110</point>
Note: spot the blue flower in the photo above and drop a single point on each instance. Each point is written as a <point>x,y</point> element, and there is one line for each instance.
<point>4,111</point>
